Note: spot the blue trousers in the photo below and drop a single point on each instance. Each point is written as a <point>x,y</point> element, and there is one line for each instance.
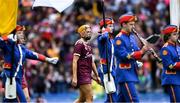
<point>112,97</point>
<point>174,92</point>
<point>20,94</point>
<point>127,92</point>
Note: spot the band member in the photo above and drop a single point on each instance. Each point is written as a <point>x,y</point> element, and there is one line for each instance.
<point>106,51</point>
<point>83,65</point>
<point>13,73</point>
<point>127,53</point>
<point>171,62</point>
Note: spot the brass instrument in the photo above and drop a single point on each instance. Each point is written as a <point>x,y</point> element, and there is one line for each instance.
<point>144,42</point>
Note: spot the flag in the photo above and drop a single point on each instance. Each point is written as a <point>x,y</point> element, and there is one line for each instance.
<point>59,5</point>
<point>175,12</point>
<point>8,18</point>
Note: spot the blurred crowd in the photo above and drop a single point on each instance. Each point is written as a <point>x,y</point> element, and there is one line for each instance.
<point>54,34</point>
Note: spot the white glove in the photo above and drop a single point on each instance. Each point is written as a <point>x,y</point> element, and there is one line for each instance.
<point>52,60</point>
<point>140,64</point>
<point>178,41</point>
<point>105,30</point>
<point>12,38</point>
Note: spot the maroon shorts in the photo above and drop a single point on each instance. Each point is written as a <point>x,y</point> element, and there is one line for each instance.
<point>84,78</point>
<point>24,83</point>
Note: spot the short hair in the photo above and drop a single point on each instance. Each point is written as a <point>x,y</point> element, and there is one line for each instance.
<point>82,28</point>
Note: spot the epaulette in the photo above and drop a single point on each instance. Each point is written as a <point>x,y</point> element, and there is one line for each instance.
<point>165,45</point>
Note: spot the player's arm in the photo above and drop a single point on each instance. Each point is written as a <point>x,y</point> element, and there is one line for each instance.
<point>94,69</point>
<point>95,72</point>
<point>98,80</point>
<point>76,55</point>
<point>74,69</point>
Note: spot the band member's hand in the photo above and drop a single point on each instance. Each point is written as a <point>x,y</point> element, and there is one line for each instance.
<point>106,30</point>
<point>52,60</point>
<point>140,64</point>
<point>74,82</point>
<point>144,49</point>
<point>12,37</point>
<point>178,41</point>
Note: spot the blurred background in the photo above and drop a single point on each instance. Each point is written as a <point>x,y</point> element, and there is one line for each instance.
<point>54,34</point>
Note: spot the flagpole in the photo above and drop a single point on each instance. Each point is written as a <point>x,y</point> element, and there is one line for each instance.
<point>12,60</point>
<point>107,61</point>
<point>107,40</point>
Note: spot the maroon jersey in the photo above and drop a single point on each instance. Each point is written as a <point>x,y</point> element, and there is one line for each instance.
<point>84,64</point>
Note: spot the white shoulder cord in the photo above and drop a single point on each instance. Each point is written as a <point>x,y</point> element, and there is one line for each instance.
<point>20,60</point>
<point>112,57</point>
